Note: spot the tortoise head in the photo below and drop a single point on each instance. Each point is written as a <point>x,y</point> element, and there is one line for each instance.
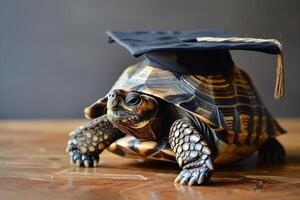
<point>132,112</point>
<point>130,109</point>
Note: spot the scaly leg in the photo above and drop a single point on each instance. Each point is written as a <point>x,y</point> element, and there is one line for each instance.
<point>90,139</point>
<point>191,151</point>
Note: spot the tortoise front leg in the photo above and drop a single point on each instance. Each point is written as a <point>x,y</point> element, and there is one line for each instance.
<point>192,153</point>
<point>90,139</point>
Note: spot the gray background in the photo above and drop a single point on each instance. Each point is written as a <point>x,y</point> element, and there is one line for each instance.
<point>55,60</point>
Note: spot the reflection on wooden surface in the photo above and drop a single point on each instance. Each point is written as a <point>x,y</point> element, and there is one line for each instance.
<point>34,165</point>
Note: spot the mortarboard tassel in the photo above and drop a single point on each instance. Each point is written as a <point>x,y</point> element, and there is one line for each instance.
<point>280,82</point>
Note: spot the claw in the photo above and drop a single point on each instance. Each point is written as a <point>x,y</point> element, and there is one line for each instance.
<point>75,142</point>
<point>201,178</point>
<point>184,179</point>
<point>206,150</point>
<point>78,163</point>
<point>76,156</point>
<point>192,180</point>
<point>69,148</point>
<point>177,180</point>
<point>209,164</point>
<point>73,133</point>
<point>95,163</point>
<point>86,163</point>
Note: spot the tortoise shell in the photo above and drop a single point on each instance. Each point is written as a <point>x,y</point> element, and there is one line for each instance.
<point>228,102</point>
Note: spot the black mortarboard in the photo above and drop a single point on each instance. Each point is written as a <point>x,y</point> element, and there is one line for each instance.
<point>200,47</point>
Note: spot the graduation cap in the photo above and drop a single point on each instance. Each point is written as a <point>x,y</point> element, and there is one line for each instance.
<point>177,50</point>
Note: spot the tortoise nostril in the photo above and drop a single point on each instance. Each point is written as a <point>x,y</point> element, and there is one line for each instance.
<point>113,94</point>
<point>113,100</point>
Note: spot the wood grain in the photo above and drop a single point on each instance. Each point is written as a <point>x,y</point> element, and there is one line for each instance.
<point>34,165</point>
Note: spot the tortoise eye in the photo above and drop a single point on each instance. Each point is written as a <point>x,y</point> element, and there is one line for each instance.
<point>133,99</point>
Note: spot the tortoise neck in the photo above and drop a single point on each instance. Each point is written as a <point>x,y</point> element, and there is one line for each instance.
<point>145,131</point>
<point>196,62</point>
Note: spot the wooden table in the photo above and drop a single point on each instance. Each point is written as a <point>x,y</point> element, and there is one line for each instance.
<point>34,165</point>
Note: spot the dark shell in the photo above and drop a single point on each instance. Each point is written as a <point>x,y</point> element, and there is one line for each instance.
<point>228,102</point>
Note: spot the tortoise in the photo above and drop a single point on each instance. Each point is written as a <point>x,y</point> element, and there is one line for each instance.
<point>197,120</point>
<point>199,117</point>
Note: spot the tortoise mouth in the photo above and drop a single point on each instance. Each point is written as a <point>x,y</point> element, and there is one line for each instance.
<point>123,117</point>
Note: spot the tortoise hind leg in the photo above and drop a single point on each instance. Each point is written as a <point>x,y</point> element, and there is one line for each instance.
<point>192,153</point>
<point>271,152</point>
